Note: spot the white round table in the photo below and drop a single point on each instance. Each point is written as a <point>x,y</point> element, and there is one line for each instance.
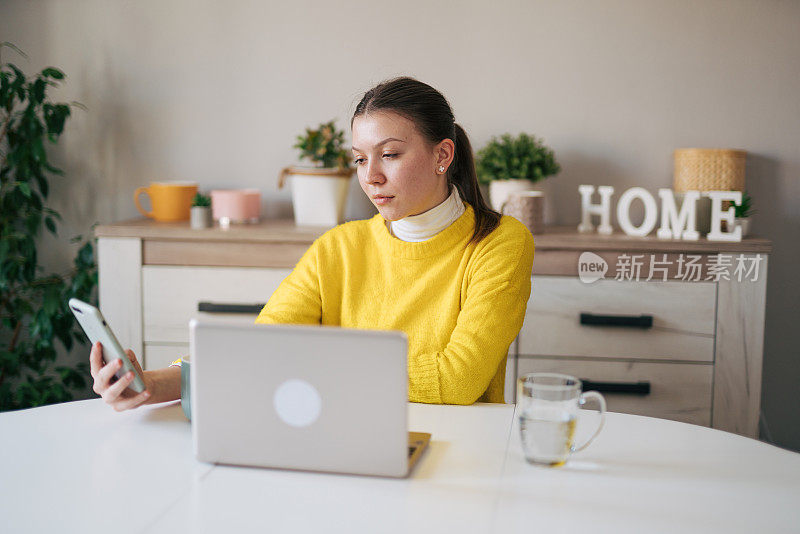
<point>81,467</point>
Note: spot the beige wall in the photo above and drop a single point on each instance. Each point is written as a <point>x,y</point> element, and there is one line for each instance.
<point>216,92</point>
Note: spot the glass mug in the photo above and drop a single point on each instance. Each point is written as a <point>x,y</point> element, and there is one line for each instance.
<point>548,405</point>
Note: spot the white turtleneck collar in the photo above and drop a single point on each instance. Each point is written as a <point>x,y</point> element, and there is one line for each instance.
<point>426,225</point>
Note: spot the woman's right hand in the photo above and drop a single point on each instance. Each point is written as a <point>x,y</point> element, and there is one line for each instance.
<point>116,394</point>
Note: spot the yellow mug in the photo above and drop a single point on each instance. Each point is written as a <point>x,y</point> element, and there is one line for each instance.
<point>171,201</point>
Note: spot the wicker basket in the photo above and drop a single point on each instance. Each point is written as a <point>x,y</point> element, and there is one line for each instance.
<point>709,169</point>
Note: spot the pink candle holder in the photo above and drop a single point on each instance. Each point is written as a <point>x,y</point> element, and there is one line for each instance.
<point>237,205</point>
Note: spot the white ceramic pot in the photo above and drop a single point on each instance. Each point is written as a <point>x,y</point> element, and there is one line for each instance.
<point>319,195</point>
<point>500,190</point>
<point>744,223</point>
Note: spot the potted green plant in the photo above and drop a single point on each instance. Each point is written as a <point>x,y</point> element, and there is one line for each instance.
<point>319,193</point>
<point>743,212</point>
<point>35,321</point>
<point>510,164</point>
<point>201,212</point>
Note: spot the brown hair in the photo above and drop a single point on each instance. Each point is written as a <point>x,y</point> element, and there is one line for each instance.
<point>430,112</point>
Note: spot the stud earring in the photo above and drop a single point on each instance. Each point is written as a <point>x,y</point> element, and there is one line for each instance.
<point>441,168</point>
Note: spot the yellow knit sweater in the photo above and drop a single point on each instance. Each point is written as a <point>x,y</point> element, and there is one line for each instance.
<point>460,305</point>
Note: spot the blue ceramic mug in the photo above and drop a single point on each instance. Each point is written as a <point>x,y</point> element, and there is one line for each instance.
<point>186,392</point>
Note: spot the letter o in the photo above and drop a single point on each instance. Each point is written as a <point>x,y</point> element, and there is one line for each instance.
<point>650,212</point>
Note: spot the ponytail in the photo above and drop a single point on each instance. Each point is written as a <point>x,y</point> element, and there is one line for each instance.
<point>464,177</point>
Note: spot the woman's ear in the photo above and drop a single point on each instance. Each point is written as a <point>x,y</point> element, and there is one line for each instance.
<point>445,152</point>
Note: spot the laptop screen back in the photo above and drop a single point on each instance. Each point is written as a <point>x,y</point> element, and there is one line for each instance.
<point>300,397</point>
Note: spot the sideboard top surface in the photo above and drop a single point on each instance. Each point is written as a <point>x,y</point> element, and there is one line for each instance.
<point>554,238</point>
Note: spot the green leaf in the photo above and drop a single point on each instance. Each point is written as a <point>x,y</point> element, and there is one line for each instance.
<point>36,90</point>
<point>38,150</point>
<point>19,76</point>
<point>54,170</point>
<point>44,188</point>
<point>51,226</point>
<point>25,188</point>
<point>86,255</point>
<point>54,73</point>
<point>53,212</point>
<point>54,117</point>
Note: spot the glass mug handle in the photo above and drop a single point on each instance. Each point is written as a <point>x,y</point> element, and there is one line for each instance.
<point>602,402</point>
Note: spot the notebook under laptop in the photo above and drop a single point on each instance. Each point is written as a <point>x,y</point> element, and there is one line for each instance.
<point>315,398</point>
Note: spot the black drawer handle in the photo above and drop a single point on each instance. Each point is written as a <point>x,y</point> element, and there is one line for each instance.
<point>213,307</point>
<point>631,321</point>
<point>630,388</point>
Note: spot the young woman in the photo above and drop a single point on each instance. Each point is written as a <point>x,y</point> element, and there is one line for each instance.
<point>436,262</point>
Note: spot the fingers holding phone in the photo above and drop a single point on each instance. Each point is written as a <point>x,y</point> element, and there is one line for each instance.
<point>118,377</point>
<point>115,392</point>
<point>134,361</point>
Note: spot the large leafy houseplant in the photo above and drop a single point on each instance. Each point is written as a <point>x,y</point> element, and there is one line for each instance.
<point>33,310</point>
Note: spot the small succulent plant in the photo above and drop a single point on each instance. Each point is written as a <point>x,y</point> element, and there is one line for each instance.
<point>201,200</point>
<point>745,209</point>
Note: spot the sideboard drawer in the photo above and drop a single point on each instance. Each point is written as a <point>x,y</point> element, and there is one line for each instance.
<point>171,294</point>
<point>682,316</point>
<point>678,391</point>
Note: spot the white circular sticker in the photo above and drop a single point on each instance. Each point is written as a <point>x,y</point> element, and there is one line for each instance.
<point>297,402</point>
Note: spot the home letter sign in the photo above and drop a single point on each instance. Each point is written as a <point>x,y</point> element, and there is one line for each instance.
<point>675,223</point>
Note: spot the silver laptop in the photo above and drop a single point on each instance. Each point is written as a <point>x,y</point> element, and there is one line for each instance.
<point>315,398</point>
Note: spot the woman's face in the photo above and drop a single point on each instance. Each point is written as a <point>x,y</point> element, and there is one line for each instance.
<point>397,168</point>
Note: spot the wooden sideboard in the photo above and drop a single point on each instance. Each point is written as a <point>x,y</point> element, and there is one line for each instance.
<point>675,328</point>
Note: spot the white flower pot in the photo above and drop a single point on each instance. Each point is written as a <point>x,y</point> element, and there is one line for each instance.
<point>744,223</point>
<point>499,191</point>
<point>319,195</point>
<point>200,217</point>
